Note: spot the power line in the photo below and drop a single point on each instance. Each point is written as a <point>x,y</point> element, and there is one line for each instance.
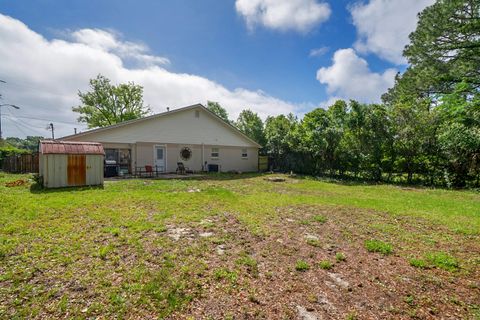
<point>43,119</point>
<point>27,126</point>
<point>19,129</point>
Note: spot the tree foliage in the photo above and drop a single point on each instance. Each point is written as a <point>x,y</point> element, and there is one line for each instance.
<point>29,143</point>
<point>252,125</point>
<point>426,131</point>
<point>108,104</point>
<point>217,109</point>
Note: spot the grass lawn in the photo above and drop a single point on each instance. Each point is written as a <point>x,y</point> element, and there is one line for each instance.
<point>238,247</point>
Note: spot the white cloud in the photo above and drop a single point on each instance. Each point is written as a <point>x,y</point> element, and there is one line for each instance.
<point>349,77</point>
<point>383,26</point>
<point>297,15</point>
<point>43,78</point>
<point>109,41</point>
<point>318,52</point>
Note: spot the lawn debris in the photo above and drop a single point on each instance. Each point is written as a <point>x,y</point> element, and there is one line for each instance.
<point>275,179</point>
<point>304,314</point>
<point>16,183</point>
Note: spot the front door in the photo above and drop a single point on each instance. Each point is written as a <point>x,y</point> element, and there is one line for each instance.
<point>159,155</point>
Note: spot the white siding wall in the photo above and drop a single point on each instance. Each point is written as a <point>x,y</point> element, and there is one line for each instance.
<point>181,127</point>
<point>230,157</point>
<point>178,130</point>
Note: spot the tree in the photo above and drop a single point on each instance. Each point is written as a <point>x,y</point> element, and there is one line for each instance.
<point>278,134</point>
<point>444,49</point>
<point>217,109</point>
<point>252,125</point>
<point>107,104</point>
<point>30,143</point>
<point>459,134</point>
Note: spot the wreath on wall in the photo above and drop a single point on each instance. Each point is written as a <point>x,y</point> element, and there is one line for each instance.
<point>185,153</point>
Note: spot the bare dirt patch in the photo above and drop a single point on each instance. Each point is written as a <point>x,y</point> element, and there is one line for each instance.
<point>255,276</point>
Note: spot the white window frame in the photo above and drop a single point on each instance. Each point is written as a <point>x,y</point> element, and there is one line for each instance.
<point>215,154</point>
<point>244,153</point>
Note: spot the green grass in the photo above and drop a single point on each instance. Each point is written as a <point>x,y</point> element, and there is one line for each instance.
<point>418,263</point>
<point>112,242</point>
<point>378,246</point>
<point>442,260</point>
<point>319,218</point>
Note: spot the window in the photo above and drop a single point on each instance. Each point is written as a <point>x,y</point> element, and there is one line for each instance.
<point>215,153</point>
<point>244,153</point>
<point>197,113</point>
<point>159,153</point>
<point>185,154</point>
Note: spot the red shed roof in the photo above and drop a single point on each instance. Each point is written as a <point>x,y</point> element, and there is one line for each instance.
<point>70,147</point>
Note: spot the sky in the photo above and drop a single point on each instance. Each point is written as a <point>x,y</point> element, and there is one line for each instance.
<point>270,56</point>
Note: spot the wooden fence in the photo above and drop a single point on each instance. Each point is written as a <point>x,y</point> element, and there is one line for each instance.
<point>262,163</point>
<point>21,163</point>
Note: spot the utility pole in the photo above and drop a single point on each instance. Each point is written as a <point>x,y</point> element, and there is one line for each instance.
<point>50,127</point>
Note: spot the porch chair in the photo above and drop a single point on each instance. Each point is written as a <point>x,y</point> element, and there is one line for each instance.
<point>149,170</point>
<point>181,168</point>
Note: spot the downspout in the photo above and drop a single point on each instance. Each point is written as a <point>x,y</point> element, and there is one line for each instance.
<point>203,157</point>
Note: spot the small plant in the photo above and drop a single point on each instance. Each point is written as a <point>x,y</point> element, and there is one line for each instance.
<point>325,265</point>
<point>250,263</point>
<point>351,316</point>
<point>410,300</point>
<point>104,251</point>
<point>63,304</point>
<point>224,273</point>
<point>378,246</point>
<point>418,263</point>
<point>319,218</point>
<point>442,260</point>
<point>340,257</point>
<point>313,242</point>
<point>301,265</point>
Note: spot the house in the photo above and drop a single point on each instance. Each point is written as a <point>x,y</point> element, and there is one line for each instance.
<point>192,135</point>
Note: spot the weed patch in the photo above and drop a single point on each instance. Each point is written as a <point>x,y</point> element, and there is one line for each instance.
<point>378,246</point>
<point>302,265</point>
<point>325,265</point>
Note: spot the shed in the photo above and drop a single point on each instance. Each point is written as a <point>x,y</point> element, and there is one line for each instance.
<point>69,163</point>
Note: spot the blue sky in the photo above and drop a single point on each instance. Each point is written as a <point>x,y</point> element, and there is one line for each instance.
<point>243,53</point>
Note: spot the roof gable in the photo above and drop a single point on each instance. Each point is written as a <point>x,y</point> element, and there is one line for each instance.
<point>189,125</point>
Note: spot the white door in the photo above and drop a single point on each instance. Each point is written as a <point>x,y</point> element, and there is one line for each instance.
<point>159,155</point>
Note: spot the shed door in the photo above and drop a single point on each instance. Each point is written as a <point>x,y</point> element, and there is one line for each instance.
<point>76,170</point>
